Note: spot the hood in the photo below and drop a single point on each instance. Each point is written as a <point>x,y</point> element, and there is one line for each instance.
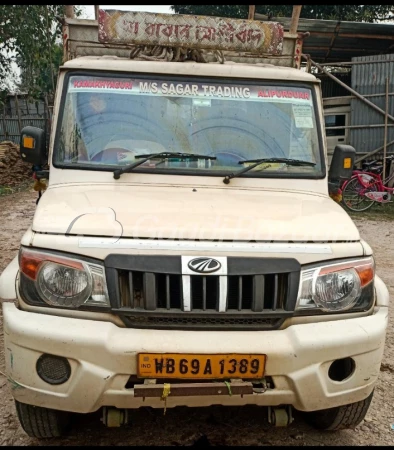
<point>202,213</point>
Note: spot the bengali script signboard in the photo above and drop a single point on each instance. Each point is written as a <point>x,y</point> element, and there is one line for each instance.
<point>200,32</point>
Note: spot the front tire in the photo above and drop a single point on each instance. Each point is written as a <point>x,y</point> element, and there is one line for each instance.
<point>341,417</point>
<point>42,422</point>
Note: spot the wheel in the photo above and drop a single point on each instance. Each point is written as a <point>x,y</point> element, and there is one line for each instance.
<point>352,197</point>
<point>341,417</point>
<point>42,422</point>
<point>114,417</point>
<point>279,417</point>
<point>111,155</point>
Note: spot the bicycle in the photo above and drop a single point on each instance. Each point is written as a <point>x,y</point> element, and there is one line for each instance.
<point>366,186</point>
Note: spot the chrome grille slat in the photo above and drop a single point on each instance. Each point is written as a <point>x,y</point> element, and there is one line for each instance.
<point>239,293</point>
<point>204,293</point>
<point>222,293</point>
<point>186,289</point>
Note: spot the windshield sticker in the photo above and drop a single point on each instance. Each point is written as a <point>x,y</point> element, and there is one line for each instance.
<point>201,102</point>
<point>107,84</point>
<point>284,94</point>
<point>303,116</point>
<point>197,91</point>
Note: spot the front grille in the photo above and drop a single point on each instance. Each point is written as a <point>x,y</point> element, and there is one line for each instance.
<point>205,322</point>
<point>155,292</point>
<point>152,292</point>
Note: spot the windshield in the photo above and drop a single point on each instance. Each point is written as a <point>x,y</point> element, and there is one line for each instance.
<point>107,122</point>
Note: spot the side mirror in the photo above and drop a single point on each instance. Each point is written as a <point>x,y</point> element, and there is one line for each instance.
<point>32,146</point>
<point>342,163</point>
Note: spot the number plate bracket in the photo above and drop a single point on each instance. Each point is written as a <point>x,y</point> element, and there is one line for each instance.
<point>194,389</point>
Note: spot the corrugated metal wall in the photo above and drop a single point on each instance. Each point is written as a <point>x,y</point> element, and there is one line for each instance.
<point>331,88</point>
<point>25,108</point>
<point>9,126</point>
<point>370,78</point>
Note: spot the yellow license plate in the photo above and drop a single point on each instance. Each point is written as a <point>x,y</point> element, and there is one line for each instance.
<point>198,366</point>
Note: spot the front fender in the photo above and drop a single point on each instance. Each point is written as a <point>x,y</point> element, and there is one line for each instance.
<point>8,280</point>
<point>382,293</point>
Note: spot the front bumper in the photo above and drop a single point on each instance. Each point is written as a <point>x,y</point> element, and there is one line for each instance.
<point>103,356</point>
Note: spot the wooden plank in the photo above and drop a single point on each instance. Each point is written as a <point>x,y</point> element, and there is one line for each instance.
<point>69,11</point>
<point>252,10</point>
<point>295,18</point>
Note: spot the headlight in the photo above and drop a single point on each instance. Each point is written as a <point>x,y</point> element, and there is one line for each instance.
<point>337,287</point>
<point>61,281</point>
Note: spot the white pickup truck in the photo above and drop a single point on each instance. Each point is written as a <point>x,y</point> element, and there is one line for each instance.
<point>186,250</point>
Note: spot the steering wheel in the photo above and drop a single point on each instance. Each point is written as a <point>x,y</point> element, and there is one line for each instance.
<point>242,128</point>
<point>110,154</point>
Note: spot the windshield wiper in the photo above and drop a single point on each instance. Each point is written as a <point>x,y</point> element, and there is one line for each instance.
<point>257,162</point>
<point>162,155</point>
<point>176,155</point>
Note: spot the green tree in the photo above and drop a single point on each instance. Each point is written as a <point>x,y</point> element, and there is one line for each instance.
<point>40,77</point>
<point>30,36</point>
<point>356,13</point>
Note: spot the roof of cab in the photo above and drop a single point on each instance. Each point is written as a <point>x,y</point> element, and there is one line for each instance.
<point>228,69</point>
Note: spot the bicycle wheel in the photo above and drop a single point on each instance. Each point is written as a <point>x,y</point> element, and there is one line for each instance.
<point>353,196</point>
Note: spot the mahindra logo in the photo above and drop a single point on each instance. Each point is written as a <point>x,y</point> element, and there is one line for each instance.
<point>204,265</point>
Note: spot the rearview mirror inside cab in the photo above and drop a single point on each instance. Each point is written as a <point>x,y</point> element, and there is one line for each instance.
<point>32,145</point>
<point>342,163</point>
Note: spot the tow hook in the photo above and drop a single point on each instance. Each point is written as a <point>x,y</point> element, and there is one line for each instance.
<point>114,417</point>
<point>280,417</point>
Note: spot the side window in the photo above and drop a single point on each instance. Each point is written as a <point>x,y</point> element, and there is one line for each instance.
<point>335,120</point>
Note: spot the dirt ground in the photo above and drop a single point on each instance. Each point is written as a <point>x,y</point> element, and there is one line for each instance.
<point>207,426</point>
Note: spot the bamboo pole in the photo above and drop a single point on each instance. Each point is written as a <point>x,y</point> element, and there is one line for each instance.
<point>353,127</point>
<point>354,63</point>
<point>252,9</point>
<point>377,150</point>
<point>390,184</point>
<point>48,30</point>
<point>69,11</point>
<point>18,113</point>
<point>295,18</point>
<point>365,96</point>
<point>385,129</point>
<point>48,116</point>
<point>96,11</point>
<point>5,124</point>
